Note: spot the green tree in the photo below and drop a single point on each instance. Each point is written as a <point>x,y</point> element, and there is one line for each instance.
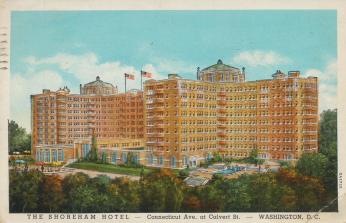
<point>328,147</point>
<point>263,192</point>
<point>259,162</point>
<point>312,164</point>
<point>128,199</point>
<point>24,191</point>
<point>18,139</point>
<point>233,194</point>
<point>83,200</point>
<point>93,157</point>
<point>328,131</point>
<point>253,156</point>
<point>70,184</point>
<point>161,191</point>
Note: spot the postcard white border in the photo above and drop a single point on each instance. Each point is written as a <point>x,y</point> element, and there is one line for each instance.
<point>37,5</point>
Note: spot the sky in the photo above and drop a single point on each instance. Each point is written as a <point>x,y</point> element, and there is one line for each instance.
<point>52,49</point>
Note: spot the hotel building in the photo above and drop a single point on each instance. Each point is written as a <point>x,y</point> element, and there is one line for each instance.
<point>187,121</point>
<point>63,122</point>
<point>179,122</point>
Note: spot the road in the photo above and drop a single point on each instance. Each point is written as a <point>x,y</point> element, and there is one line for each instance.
<point>91,173</point>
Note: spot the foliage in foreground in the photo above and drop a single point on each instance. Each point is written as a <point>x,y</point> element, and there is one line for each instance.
<point>164,191</point>
<point>308,187</point>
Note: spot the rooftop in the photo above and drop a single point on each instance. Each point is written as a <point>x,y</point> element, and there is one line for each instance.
<point>98,82</point>
<point>220,66</point>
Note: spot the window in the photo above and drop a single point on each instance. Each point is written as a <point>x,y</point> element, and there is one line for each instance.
<point>114,157</point>
<point>161,160</point>
<point>173,162</point>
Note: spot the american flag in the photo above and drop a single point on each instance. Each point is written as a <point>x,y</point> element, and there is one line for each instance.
<point>146,74</point>
<point>130,76</point>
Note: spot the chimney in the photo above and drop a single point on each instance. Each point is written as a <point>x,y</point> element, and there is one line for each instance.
<point>243,72</point>
<point>198,69</point>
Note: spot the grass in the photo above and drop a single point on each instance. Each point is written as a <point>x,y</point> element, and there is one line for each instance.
<point>109,168</point>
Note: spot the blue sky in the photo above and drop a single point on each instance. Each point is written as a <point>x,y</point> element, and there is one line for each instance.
<point>54,49</point>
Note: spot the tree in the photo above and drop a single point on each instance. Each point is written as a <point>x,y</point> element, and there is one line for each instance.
<point>51,195</point>
<point>128,199</point>
<point>161,191</point>
<point>259,162</point>
<point>24,191</point>
<point>262,193</point>
<point>328,147</point>
<point>312,164</point>
<point>234,194</point>
<point>328,131</point>
<point>18,139</point>
<point>70,184</point>
<point>253,156</point>
<point>309,192</point>
<point>83,200</point>
<point>94,150</point>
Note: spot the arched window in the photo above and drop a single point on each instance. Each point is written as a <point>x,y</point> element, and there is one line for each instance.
<point>173,162</point>
<point>55,155</point>
<point>150,159</point>
<point>185,160</point>
<point>114,157</point>
<point>47,155</point>
<point>38,158</point>
<point>161,160</point>
<point>135,158</point>
<point>124,157</point>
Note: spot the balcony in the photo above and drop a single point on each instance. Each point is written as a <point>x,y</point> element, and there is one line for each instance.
<point>222,142</point>
<point>159,91</point>
<point>160,135</point>
<point>159,117</point>
<point>222,149</point>
<point>221,94</point>
<point>222,119</point>
<point>161,108</point>
<point>222,110</point>
<point>221,134</point>
<point>150,116</point>
<point>156,143</point>
<point>160,126</point>
<point>221,102</point>
<point>159,100</point>
<point>91,121</point>
<point>221,126</point>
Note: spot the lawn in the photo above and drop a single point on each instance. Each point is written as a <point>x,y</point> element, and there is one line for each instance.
<point>109,168</point>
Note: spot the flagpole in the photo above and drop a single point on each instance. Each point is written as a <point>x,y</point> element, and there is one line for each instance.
<point>125,84</point>
<point>141,81</point>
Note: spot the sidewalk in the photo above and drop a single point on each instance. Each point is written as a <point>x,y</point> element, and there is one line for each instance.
<point>92,173</point>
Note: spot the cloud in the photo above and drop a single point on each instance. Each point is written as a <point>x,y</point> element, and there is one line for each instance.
<point>257,58</point>
<point>327,85</point>
<point>63,70</point>
<point>24,85</point>
<point>86,67</point>
<point>328,74</point>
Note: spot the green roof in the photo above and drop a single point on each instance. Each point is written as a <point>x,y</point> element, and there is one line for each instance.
<point>220,66</point>
<point>99,82</point>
